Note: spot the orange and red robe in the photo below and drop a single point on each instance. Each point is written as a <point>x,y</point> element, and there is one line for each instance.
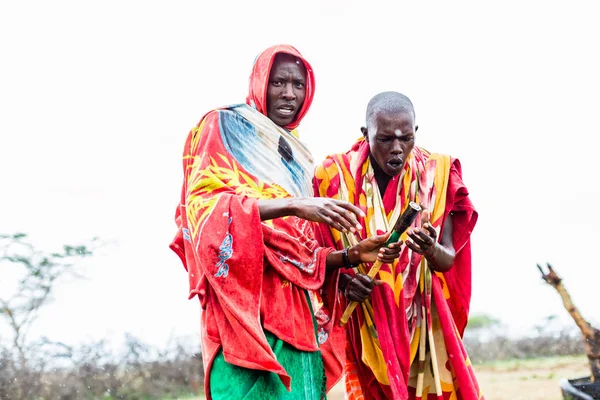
<point>405,341</point>
<point>250,275</point>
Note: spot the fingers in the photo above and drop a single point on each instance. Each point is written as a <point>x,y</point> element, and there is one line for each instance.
<point>333,223</point>
<point>365,280</point>
<point>424,236</point>
<point>351,207</point>
<point>420,240</point>
<point>387,255</point>
<point>345,218</point>
<point>359,288</point>
<point>341,215</point>
<point>425,217</point>
<point>338,214</point>
<point>426,224</point>
<point>382,239</point>
<point>411,245</point>
<point>432,232</point>
<point>421,237</point>
<point>396,245</point>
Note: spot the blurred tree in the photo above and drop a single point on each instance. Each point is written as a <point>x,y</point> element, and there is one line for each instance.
<point>482,321</point>
<point>35,274</point>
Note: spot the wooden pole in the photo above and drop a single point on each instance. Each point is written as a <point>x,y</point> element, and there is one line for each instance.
<point>591,335</point>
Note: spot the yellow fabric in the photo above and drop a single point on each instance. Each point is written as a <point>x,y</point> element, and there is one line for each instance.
<point>377,220</point>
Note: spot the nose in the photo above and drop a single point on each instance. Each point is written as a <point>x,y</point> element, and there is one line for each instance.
<point>288,92</point>
<point>396,147</point>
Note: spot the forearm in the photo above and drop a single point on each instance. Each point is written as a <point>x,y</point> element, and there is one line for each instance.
<point>276,208</point>
<point>440,258</point>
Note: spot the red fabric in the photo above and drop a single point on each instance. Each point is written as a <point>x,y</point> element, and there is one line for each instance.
<point>390,319</point>
<point>332,350</point>
<point>245,273</point>
<point>464,218</point>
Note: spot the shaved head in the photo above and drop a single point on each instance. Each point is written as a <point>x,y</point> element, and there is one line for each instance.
<point>390,132</point>
<point>388,103</point>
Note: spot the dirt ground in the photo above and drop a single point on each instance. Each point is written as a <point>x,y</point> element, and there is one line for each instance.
<point>536,379</point>
<point>529,379</point>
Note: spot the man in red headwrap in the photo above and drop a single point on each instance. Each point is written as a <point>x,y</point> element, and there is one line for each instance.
<point>247,244</point>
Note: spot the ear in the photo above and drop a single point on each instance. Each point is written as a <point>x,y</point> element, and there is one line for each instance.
<point>365,133</point>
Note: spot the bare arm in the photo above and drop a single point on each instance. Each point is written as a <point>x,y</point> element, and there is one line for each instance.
<point>276,208</point>
<point>442,255</point>
<point>338,214</point>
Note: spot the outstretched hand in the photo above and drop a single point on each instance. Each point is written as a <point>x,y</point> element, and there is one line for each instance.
<point>338,214</point>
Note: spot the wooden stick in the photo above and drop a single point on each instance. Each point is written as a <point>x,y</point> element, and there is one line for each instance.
<point>401,225</point>
<point>422,352</point>
<point>591,335</point>
<point>350,309</point>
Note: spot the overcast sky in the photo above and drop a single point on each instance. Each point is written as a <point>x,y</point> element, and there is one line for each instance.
<point>96,99</point>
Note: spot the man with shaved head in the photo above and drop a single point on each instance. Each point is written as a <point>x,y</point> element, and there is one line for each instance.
<point>405,340</point>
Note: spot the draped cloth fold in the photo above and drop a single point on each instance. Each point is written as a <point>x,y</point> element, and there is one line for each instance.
<point>405,341</point>
<point>252,277</point>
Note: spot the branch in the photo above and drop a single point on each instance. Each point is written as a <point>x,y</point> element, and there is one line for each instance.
<point>16,327</point>
<point>591,336</point>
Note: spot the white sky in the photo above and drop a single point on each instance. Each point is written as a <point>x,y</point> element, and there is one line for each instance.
<point>96,99</point>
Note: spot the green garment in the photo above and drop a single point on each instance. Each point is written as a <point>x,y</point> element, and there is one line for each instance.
<point>230,382</point>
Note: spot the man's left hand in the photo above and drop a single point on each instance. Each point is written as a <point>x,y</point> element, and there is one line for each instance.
<point>423,240</point>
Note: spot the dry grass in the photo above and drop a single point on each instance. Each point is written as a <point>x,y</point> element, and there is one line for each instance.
<point>533,379</point>
<point>536,379</point>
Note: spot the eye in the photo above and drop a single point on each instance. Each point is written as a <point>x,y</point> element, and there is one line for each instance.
<point>276,83</point>
<point>299,85</point>
<point>407,138</point>
<point>383,139</point>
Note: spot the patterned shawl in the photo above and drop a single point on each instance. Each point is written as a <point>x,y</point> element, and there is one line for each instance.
<point>249,274</point>
<point>416,310</point>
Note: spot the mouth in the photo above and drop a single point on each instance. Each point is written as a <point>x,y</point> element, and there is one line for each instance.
<point>286,110</point>
<point>395,163</point>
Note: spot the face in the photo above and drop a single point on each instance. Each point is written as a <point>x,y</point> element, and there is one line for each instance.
<point>391,140</point>
<point>286,90</point>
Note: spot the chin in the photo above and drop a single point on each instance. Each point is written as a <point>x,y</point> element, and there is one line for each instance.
<point>393,174</point>
<point>281,122</point>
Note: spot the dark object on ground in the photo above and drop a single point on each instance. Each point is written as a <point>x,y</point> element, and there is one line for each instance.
<point>580,389</point>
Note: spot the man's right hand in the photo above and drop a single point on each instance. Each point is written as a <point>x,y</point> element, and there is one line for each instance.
<point>338,214</point>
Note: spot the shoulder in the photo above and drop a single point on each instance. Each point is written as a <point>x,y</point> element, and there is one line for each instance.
<point>333,162</point>
<point>328,166</point>
<point>352,156</point>
<point>207,130</point>
<point>222,120</point>
<point>456,185</point>
<point>218,114</point>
